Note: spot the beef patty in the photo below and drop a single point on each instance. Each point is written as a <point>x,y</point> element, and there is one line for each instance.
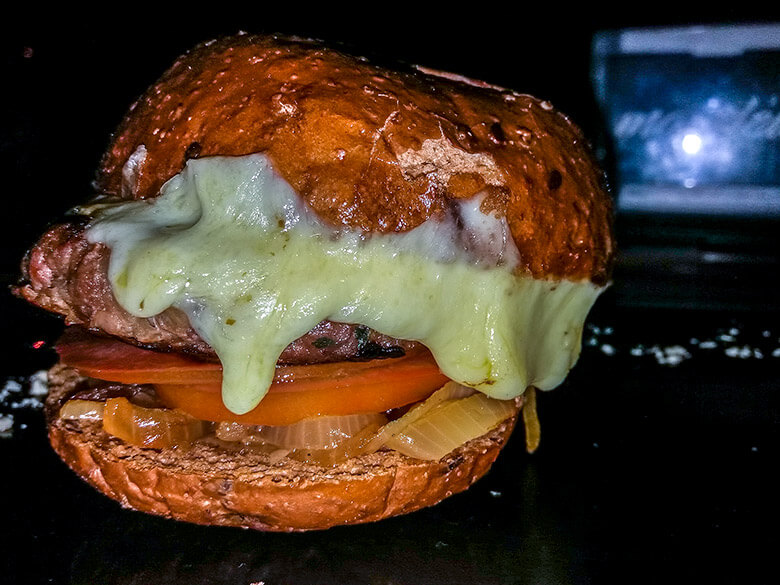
<point>67,274</point>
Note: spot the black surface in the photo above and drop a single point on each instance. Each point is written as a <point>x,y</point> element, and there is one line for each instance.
<point>648,472</point>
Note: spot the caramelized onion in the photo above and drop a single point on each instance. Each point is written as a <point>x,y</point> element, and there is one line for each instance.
<point>359,444</point>
<point>533,430</point>
<point>450,391</point>
<point>321,432</point>
<point>82,410</point>
<point>449,425</point>
<point>462,413</point>
<point>234,432</point>
<point>450,417</point>
<point>157,428</point>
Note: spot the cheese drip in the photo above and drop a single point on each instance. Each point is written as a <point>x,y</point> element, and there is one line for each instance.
<point>230,243</point>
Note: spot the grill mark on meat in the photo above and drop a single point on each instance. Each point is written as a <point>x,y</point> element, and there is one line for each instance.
<point>65,273</point>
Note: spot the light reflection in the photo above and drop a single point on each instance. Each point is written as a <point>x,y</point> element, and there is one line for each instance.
<point>691,143</point>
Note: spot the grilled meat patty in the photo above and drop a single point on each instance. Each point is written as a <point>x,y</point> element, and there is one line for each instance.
<point>66,274</point>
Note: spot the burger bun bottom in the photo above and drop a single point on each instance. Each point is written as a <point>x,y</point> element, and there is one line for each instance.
<point>211,483</point>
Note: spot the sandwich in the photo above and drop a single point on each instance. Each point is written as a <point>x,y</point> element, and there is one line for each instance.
<point>312,291</point>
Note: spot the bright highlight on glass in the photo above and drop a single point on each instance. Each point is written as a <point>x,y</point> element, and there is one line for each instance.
<point>691,143</point>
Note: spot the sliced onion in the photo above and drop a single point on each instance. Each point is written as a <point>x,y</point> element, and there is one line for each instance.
<point>533,430</point>
<point>450,417</point>
<point>462,413</point>
<point>276,455</point>
<point>82,410</point>
<point>449,425</point>
<point>450,391</point>
<point>234,432</point>
<point>156,428</point>
<point>321,432</point>
<point>359,444</point>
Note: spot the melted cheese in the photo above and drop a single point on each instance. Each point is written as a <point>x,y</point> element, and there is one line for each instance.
<point>230,243</point>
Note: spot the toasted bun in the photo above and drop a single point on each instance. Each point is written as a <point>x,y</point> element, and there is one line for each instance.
<point>371,148</point>
<point>212,484</point>
<point>368,148</point>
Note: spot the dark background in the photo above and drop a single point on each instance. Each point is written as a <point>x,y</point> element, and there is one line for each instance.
<point>648,472</point>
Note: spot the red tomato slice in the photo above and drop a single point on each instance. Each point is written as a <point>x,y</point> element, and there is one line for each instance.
<point>395,382</point>
<point>109,359</point>
<point>297,392</point>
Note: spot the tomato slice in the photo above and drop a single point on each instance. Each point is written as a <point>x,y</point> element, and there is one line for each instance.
<point>297,392</point>
<point>109,359</point>
<point>395,382</point>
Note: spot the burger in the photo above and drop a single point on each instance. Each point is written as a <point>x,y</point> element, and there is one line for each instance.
<point>312,291</point>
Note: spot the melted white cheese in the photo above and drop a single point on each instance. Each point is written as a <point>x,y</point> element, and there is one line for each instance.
<point>229,242</point>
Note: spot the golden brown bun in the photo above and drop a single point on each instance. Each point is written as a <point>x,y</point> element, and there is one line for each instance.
<point>374,149</point>
<point>209,484</point>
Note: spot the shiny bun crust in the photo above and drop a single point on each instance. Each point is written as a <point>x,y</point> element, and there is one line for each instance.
<point>371,148</point>
<point>210,484</point>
